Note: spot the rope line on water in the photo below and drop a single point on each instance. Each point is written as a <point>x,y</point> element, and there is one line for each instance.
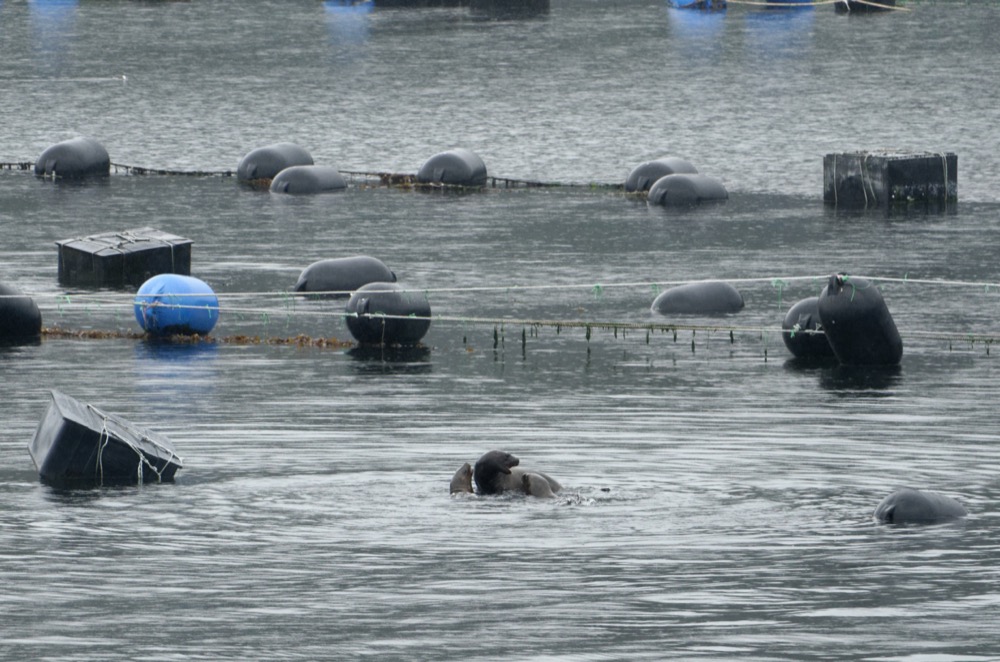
<point>779,283</point>
<point>388,179</point>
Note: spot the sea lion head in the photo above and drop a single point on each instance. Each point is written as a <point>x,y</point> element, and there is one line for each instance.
<point>489,469</point>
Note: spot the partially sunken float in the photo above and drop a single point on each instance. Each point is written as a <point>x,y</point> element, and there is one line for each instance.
<point>122,259</point>
<point>77,444</point>
<point>859,180</point>
<point>308,179</point>
<point>262,164</point>
<point>863,6</point>
<point>456,167</point>
<point>340,276</point>
<point>76,158</point>
<point>644,175</point>
<point>701,298</point>
<point>686,190</point>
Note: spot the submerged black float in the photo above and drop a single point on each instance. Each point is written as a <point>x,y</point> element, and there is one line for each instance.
<point>909,506</point>
<point>456,167</point>
<point>863,6</point>
<point>884,179</point>
<point>78,444</point>
<point>266,162</point>
<point>702,298</point>
<point>857,322</point>
<point>683,190</point>
<point>341,276</point>
<point>20,319</point>
<point>308,179</point>
<point>799,322</point>
<point>644,175</point>
<point>122,259</point>
<point>408,314</point>
<point>76,158</point>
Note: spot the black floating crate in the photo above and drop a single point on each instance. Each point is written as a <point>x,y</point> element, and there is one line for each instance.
<point>122,259</point>
<point>888,179</point>
<point>77,444</point>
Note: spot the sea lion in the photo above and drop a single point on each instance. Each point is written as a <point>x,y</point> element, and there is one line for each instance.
<point>491,469</point>
<point>536,485</point>
<point>497,472</point>
<point>909,506</point>
<point>461,482</point>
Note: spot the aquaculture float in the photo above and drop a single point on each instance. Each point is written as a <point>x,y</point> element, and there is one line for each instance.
<point>76,158</point>
<point>387,314</point>
<point>697,4</point>
<point>456,167</point>
<point>308,179</point>
<point>802,331</point>
<point>701,298</point>
<point>686,190</point>
<point>77,444</point>
<point>857,323</point>
<point>339,277</point>
<point>20,319</point>
<point>864,6</point>
<point>170,304</point>
<point>122,259</point>
<point>263,163</point>
<point>644,175</point>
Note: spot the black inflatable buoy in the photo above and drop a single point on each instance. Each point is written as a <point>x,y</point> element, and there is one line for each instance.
<point>20,319</point>
<point>645,175</point>
<point>703,298</point>
<point>386,314</point>
<point>76,158</point>
<point>307,179</point>
<point>801,319</point>
<point>266,162</point>
<point>683,190</point>
<point>456,167</point>
<point>343,275</point>
<point>909,506</point>
<point>857,322</point>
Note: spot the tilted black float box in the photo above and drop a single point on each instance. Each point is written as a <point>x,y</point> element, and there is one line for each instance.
<point>884,179</point>
<point>121,259</point>
<point>78,444</point>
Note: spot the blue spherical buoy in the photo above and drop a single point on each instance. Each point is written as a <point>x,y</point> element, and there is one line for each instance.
<point>171,304</point>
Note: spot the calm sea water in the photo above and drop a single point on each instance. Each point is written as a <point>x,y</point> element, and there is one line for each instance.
<point>718,495</point>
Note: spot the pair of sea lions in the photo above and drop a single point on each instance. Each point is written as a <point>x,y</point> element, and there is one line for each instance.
<point>497,472</point>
